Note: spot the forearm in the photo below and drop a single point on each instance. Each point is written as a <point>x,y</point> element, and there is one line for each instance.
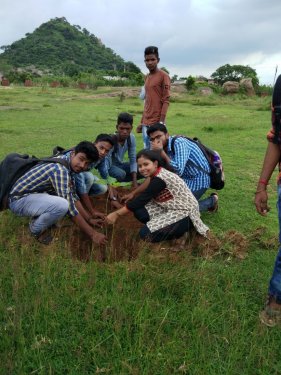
<point>134,178</point>
<point>164,111</point>
<point>165,157</point>
<point>271,159</point>
<point>83,225</point>
<point>84,214</point>
<point>86,202</point>
<point>142,187</point>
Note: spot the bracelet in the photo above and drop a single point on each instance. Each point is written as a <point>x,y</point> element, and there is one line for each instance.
<point>263,182</point>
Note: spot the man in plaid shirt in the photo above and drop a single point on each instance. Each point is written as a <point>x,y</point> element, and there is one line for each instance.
<point>187,161</point>
<point>46,193</point>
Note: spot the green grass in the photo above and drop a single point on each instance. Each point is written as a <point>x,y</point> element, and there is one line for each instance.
<point>161,313</point>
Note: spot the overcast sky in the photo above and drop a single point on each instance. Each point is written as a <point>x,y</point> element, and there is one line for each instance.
<point>194,37</point>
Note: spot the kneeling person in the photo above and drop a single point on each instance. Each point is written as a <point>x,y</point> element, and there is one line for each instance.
<point>46,193</point>
<point>166,207</point>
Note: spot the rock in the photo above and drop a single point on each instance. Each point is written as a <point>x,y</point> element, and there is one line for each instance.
<point>205,91</point>
<point>230,87</point>
<point>247,84</point>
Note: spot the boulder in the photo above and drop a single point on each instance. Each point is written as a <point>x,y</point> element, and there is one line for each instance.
<point>247,84</point>
<point>205,91</point>
<point>230,87</point>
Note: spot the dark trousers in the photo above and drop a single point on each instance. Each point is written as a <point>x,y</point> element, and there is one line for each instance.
<point>169,232</point>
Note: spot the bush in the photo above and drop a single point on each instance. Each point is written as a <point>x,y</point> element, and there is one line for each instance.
<point>190,83</point>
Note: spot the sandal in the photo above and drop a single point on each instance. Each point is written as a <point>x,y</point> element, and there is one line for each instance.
<point>216,205</point>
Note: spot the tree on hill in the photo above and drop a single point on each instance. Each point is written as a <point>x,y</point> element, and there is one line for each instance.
<point>234,73</point>
<point>56,45</point>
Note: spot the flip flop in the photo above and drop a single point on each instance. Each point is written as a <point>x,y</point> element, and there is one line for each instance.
<point>216,205</point>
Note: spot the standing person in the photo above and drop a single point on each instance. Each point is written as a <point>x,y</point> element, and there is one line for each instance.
<point>271,315</point>
<point>187,161</point>
<point>125,142</point>
<point>46,193</point>
<point>157,93</point>
<point>166,207</point>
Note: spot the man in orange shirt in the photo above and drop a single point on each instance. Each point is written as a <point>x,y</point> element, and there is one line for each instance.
<point>157,94</point>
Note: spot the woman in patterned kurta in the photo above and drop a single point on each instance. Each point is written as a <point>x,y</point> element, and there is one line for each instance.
<point>167,207</point>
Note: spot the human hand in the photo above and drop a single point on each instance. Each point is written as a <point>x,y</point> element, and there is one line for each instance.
<point>116,205</point>
<point>111,218</point>
<point>261,202</point>
<point>99,215</point>
<point>112,193</point>
<point>98,222</point>
<point>99,238</point>
<point>139,128</point>
<point>156,145</point>
<point>127,197</point>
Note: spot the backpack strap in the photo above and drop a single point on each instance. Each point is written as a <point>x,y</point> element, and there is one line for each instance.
<point>115,140</point>
<point>64,162</point>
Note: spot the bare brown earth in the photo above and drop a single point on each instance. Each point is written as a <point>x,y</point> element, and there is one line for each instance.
<point>124,243</point>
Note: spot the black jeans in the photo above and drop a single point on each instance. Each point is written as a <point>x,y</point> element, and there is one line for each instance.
<point>169,232</point>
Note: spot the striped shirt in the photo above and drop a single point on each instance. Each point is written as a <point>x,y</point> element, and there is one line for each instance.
<point>184,161</point>
<point>50,178</point>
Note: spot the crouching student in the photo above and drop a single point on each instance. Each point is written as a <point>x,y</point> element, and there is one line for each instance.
<point>125,142</point>
<point>46,193</point>
<point>166,207</point>
<point>87,184</point>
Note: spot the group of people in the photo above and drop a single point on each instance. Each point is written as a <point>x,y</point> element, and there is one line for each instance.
<point>169,177</point>
<point>167,182</point>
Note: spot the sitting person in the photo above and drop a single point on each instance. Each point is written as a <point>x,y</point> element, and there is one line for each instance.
<point>166,207</point>
<point>45,193</point>
<point>86,183</point>
<point>187,161</point>
<point>124,142</point>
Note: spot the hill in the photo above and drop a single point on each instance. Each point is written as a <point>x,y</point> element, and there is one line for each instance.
<point>59,47</point>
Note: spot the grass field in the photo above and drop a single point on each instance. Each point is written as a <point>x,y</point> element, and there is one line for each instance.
<point>161,313</point>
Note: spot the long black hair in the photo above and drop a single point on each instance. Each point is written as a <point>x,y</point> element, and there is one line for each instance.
<point>153,156</point>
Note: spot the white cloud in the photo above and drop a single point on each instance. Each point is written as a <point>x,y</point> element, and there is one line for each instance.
<point>193,36</point>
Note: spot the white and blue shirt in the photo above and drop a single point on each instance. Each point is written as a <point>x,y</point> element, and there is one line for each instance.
<point>189,162</point>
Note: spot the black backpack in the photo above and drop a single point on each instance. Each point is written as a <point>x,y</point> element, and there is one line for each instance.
<point>276,110</point>
<point>13,166</point>
<point>214,159</point>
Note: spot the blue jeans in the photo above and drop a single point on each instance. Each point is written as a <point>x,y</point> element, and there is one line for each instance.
<point>45,210</point>
<point>206,203</point>
<point>121,172</point>
<point>275,281</point>
<point>85,183</point>
<point>146,141</point>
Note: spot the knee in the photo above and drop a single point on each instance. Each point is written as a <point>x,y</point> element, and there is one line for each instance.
<point>62,206</point>
<point>141,215</point>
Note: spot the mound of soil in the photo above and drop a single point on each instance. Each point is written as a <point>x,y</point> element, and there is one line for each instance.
<point>124,243</point>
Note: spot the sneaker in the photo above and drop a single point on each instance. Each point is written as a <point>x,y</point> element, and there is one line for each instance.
<point>44,238</point>
<point>216,205</point>
<point>271,315</point>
